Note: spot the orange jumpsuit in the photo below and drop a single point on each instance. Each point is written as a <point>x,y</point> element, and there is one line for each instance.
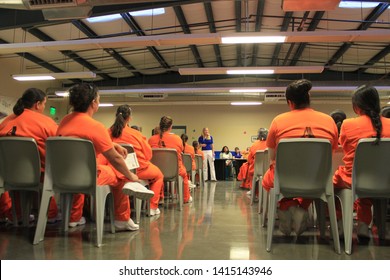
<point>292,125</point>
<point>188,149</point>
<point>351,132</point>
<point>83,126</point>
<point>258,145</point>
<point>173,141</point>
<point>146,170</point>
<point>35,125</point>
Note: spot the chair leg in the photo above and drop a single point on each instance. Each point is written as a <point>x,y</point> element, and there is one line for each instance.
<point>321,216</point>
<point>333,223</point>
<point>254,188</point>
<point>100,201</point>
<point>380,207</point>
<point>67,205</point>
<point>14,215</point>
<point>180,191</point>
<point>271,218</point>
<point>265,207</point>
<point>42,217</point>
<point>346,201</point>
<point>138,208</point>
<point>261,197</point>
<point>112,211</point>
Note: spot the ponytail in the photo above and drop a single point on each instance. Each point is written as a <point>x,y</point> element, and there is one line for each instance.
<point>28,99</point>
<point>165,124</point>
<point>122,114</point>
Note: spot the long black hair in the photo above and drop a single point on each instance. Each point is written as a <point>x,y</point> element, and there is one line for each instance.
<point>28,99</point>
<point>184,139</point>
<point>165,124</point>
<point>366,98</point>
<point>122,114</point>
<point>81,96</point>
<point>298,93</point>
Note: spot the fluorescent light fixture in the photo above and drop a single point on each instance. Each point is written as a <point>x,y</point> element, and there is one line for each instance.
<point>252,70</point>
<point>151,12</point>
<point>62,93</point>
<point>54,76</point>
<point>106,105</point>
<point>245,103</point>
<point>252,39</point>
<point>358,4</point>
<point>9,2</point>
<point>248,90</point>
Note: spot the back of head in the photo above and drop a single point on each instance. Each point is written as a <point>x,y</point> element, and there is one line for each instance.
<point>122,114</point>
<point>298,93</point>
<point>165,123</point>
<point>262,134</point>
<point>184,138</point>
<point>365,100</point>
<point>195,144</point>
<point>136,127</point>
<point>81,96</point>
<point>28,99</point>
<point>338,116</point>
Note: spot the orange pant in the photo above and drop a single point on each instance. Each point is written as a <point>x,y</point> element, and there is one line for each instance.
<point>156,182</point>
<point>6,205</point>
<point>284,203</point>
<point>361,205</point>
<point>106,176</point>
<point>186,187</point>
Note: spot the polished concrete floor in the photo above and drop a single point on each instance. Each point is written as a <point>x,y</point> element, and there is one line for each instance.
<point>219,225</point>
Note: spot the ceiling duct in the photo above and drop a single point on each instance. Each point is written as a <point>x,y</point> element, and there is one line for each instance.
<point>152,97</point>
<point>309,5</point>
<point>51,4</point>
<point>274,97</point>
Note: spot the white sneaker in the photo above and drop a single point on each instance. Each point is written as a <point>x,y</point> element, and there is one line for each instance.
<point>285,221</point>
<point>248,193</point>
<point>126,225</point>
<point>189,200</point>
<point>137,190</point>
<point>191,185</point>
<point>79,223</point>
<point>154,212</point>
<point>299,216</point>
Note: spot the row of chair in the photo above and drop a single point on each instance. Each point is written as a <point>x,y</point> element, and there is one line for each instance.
<point>304,168</point>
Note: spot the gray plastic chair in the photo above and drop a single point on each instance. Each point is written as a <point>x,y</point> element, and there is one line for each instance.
<point>303,169</point>
<point>21,172</point>
<point>71,169</point>
<point>370,179</point>
<point>199,169</point>
<point>187,162</point>
<point>166,159</point>
<point>260,159</point>
<point>138,202</point>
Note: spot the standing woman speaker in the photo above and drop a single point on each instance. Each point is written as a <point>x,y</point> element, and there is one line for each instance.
<point>207,144</point>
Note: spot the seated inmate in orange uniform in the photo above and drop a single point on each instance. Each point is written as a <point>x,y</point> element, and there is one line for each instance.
<point>120,132</point>
<point>28,120</point>
<point>84,99</point>
<point>166,139</point>
<point>188,149</point>
<point>301,121</point>
<point>369,123</point>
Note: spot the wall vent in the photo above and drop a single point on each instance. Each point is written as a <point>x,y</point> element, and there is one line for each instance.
<point>154,96</point>
<point>48,4</point>
<point>274,97</point>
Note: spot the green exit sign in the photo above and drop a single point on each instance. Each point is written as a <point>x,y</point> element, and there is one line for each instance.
<point>53,111</point>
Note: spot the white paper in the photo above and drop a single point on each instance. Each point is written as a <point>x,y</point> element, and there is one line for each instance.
<point>131,161</point>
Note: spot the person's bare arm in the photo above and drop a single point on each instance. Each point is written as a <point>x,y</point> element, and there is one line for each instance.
<point>119,164</point>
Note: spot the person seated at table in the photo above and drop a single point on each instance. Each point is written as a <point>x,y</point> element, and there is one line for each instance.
<point>227,155</point>
<point>237,153</point>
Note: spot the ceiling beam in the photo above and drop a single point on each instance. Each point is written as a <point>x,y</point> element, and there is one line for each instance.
<point>376,58</point>
<point>184,25</point>
<point>112,52</point>
<point>371,18</point>
<point>237,9</point>
<point>278,47</point>
<point>213,29</point>
<point>258,24</point>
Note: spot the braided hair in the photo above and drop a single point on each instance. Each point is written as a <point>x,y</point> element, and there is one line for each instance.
<point>184,138</point>
<point>366,98</point>
<point>165,124</point>
<point>122,114</point>
<point>28,99</point>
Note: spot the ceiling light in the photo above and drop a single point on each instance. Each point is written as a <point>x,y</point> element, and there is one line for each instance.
<point>252,39</point>
<point>251,70</point>
<point>150,12</point>
<point>106,105</point>
<point>245,103</point>
<point>62,93</point>
<point>357,5</point>
<point>248,90</point>
<point>54,76</point>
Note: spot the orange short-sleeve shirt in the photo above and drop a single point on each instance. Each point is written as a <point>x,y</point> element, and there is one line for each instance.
<point>81,125</point>
<point>188,149</point>
<point>30,124</point>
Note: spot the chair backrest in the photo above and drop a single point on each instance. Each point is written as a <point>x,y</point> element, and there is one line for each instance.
<point>198,162</point>
<point>303,167</point>
<point>371,172</point>
<point>187,162</point>
<point>71,165</point>
<point>128,147</point>
<point>337,158</point>
<point>260,158</point>
<point>21,164</point>
<point>167,161</point>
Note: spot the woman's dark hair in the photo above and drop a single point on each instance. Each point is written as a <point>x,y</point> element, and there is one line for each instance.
<point>338,116</point>
<point>184,138</point>
<point>262,134</point>
<point>385,112</point>
<point>366,98</point>
<point>298,93</point>
<point>122,114</point>
<point>136,127</point>
<point>165,124</point>
<point>81,96</point>
<point>195,144</point>
<point>223,148</point>
<point>28,99</point>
